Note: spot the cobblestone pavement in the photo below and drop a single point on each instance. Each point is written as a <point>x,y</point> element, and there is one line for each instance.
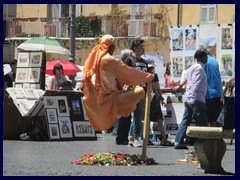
<point>31,158</point>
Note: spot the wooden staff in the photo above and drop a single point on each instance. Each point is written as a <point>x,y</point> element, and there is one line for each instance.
<point>146,119</point>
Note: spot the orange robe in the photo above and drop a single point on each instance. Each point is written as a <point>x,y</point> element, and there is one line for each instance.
<point>104,99</point>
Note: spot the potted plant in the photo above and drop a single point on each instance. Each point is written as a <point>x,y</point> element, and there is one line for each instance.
<point>158,16</point>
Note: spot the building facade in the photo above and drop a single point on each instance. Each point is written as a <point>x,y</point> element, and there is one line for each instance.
<point>126,22</point>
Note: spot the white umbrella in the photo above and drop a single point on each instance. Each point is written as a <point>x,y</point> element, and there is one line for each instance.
<point>44,44</point>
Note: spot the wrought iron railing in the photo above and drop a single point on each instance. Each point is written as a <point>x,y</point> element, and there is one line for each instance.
<point>137,25</point>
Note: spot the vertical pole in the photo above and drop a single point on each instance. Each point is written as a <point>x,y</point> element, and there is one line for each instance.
<point>146,119</point>
<point>72,41</point>
<point>72,33</point>
<point>43,71</point>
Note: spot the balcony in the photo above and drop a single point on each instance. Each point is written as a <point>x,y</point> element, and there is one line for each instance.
<point>144,25</point>
<point>30,27</point>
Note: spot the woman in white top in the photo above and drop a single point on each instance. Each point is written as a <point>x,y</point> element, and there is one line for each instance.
<point>56,81</point>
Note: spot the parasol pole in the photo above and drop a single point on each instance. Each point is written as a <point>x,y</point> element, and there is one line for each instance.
<point>146,119</point>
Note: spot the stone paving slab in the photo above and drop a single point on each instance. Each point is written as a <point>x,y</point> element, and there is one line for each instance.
<point>31,158</point>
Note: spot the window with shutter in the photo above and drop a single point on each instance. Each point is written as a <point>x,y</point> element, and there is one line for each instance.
<point>137,12</point>
<point>208,13</point>
<point>78,10</point>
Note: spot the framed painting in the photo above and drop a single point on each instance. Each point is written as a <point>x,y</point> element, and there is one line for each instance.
<point>26,85</point>
<point>21,85</point>
<point>227,38</point>
<point>35,59</point>
<point>177,66</point>
<point>21,75</point>
<point>34,75</point>
<point>24,106</point>
<point>62,106</point>
<point>53,131</point>
<point>177,39</point>
<point>31,94</point>
<point>23,59</point>
<point>65,127</point>
<point>75,106</point>
<point>51,116</point>
<point>49,102</point>
<point>83,129</point>
<point>39,92</point>
<point>34,86</point>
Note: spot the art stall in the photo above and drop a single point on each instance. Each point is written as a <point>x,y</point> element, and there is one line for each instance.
<point>30,112</point>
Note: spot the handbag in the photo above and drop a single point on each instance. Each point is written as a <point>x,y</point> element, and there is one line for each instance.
<point>220,118</point>
<point>227,116</point>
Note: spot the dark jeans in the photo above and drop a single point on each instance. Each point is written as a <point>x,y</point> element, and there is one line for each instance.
<point>138,116</point>
<point>198,113</point>
<point>123,126</point>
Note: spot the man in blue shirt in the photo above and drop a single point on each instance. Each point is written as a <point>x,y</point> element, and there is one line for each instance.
<point>194,98</point>
<point>214,91</point>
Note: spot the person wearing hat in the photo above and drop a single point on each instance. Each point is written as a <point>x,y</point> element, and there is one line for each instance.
<point>104,98</point>
<point>9,78</point>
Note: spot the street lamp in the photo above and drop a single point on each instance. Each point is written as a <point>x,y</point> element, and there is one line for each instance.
<point>72,33</point>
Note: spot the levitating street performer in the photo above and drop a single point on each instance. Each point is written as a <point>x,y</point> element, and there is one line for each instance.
<point>104,97</point>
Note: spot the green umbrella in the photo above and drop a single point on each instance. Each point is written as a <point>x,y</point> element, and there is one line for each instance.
<point>44,44</point>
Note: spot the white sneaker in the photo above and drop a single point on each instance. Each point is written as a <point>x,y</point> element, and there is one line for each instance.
<point>137,144</point>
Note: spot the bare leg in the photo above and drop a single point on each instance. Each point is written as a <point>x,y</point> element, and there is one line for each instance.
<point>162,130</point>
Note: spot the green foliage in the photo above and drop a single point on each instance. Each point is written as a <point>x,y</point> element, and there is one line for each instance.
<point>86,28</point>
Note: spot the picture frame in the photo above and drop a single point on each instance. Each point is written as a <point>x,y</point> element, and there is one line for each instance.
<point>21,93</point>
<point>53,131</point>
<point>49,102</point>
<point>23,59</point>
<point>190,39</point>
<point>39,92</point>
<point>35,59</point>
<point>52,116</point>
<point>83,129</point>
<point>84,110</point>
<point>227,38</point>
<point>19,85</point>
<point>65,127</point>
<point>34,86</point>
<point>75,106</point>
<point>24,106</point>
<point>177,66</point>
<point>226,64</point>
<point>62,106</point>
<point>21,75</point>
<point>25,85</point>
<point>34,75</point>
<point>177,39</point>
<point>31,94</point>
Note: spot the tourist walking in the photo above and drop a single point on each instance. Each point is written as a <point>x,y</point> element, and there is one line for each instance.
<point>194,98</point>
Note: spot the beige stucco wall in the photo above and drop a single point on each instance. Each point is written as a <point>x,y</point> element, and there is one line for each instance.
<point>190,14</point>
<point>98,9</point>
<point>31,10</point>
<point>226,13</point>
